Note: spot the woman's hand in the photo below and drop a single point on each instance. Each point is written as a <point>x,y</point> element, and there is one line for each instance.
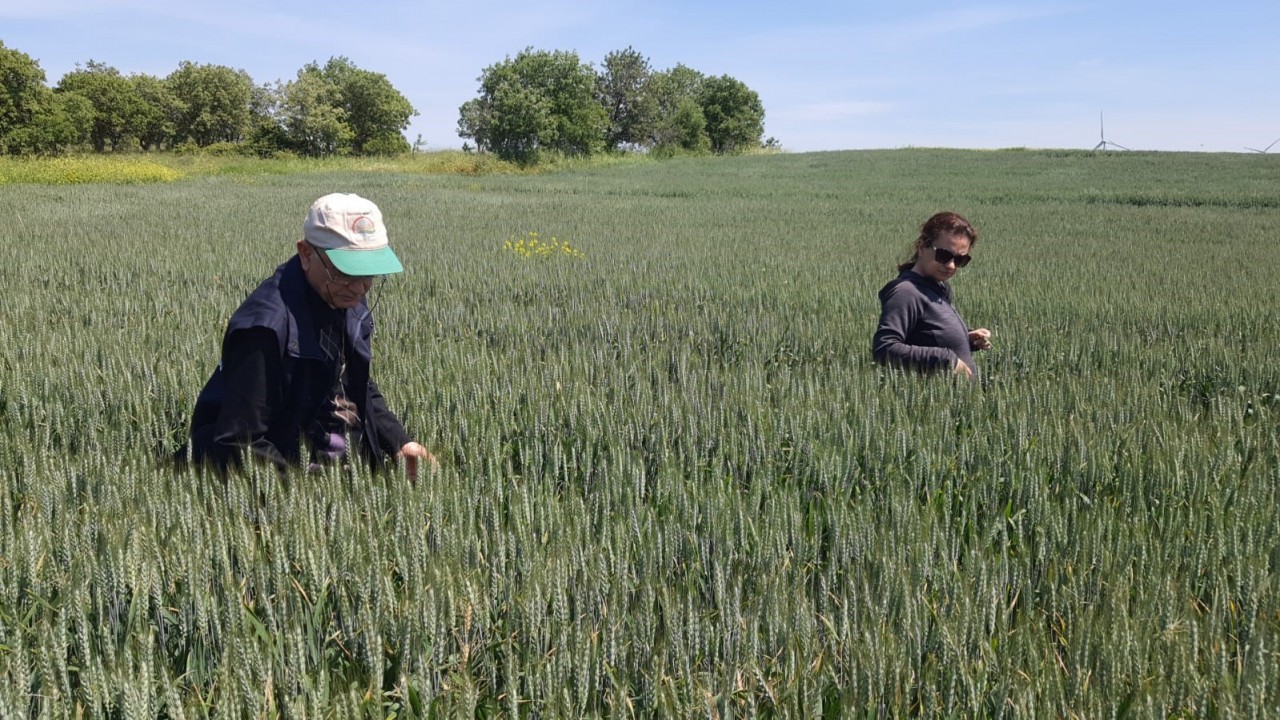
<point>412,452</point>
<point>963,370</point>
<point>980,339</point>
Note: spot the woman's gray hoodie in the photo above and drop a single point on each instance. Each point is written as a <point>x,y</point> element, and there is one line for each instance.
<point>919,328</point>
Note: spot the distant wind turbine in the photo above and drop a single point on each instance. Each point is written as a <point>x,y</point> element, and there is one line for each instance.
<point>1263,150</point>
<point>1102,135</point>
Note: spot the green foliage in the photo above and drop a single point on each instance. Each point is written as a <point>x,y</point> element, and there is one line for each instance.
<point>534,107</point>
<point>624,92</point>
<point>226,149</point>
<point>57,122</point>
<point>374,110</point>
<point>32,118</point>
<point>387,144</point>
<point>213,102</point>
<point>337,109</point>
<point>538,101</point>
<point>733,112</point>
<point>473,122</point>
<point>681,122</point>
<point>22,79</point>
<point>158,114</point>
<point>688,128</point>
<point>117,106</point>
<point>674,483</point>
<point>314,121</point>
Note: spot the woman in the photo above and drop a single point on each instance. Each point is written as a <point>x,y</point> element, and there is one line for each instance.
<point>919,328</point>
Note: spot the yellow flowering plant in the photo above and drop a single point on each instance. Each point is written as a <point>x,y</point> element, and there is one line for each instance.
<point>532,245</point>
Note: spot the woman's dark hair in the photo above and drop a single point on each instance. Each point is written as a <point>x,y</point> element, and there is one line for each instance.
<point>941,224</point>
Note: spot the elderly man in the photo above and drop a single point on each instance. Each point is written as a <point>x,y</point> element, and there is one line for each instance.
<point>293,384</point>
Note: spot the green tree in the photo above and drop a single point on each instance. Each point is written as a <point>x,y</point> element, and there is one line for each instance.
<point>688,128</point>
<point>623,91</point>
<point>58,122</point>
<point>340,108</point>
<point>214,102</point>
<point>473,122</point>
<point>68,122</point>
<point>116,105</point>
<point>679,121</point>
<point>267,134</point>
<point>539,101</point>
<point>33,118</point>
<point>513,121</point>
<point>22,92</point>
<point>158,114</point>
<point>376,113</point>
<point>312,115</point>
<point>734,114</point>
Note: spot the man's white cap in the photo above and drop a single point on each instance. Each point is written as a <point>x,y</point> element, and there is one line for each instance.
<point>350,230</point>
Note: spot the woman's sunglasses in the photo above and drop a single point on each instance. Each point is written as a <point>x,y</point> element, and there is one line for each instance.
<point>945,256</point>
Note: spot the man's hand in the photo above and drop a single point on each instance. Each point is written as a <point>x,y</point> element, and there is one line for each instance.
<point>963,370</point>
<point>980,339</point>
<point>412,452</point>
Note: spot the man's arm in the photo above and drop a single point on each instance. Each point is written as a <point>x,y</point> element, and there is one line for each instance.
<point>393,438</point>
<point>387,427</point>
<point>254,384</point>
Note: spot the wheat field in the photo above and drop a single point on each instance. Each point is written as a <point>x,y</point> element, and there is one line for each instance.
<point>673,483</point>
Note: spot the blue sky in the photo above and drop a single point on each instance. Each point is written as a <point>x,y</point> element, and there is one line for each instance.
<point>1185,75</point>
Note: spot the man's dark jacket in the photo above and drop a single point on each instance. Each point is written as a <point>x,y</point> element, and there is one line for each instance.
<point>275,385</point>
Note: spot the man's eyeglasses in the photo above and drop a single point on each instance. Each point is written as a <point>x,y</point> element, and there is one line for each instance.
<point>337,277</point>
<point>945,256</point>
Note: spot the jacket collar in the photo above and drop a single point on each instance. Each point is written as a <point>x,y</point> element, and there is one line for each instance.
<point>927,285</point>
<point>301,300</point>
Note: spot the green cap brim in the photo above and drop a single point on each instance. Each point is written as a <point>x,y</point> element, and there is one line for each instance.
<point>365,262</point>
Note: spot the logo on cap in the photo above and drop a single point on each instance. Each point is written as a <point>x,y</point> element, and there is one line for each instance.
<point>364,225</point>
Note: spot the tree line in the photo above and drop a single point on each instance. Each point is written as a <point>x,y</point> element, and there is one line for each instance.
<point>332,109</point>
<point>550,101</point>
<point>535,104</point>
